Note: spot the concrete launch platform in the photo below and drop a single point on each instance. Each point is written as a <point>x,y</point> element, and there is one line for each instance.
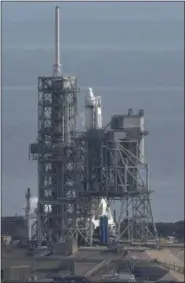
<point>86,259</point>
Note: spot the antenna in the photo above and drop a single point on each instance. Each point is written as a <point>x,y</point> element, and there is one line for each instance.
<point>57,66</point>
<point>28,213</point>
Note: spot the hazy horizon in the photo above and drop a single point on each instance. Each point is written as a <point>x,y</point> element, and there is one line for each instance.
<point>132,54</point>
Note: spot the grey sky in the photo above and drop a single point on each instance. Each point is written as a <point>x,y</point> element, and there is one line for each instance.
<point>133,11</point>
<point>130,53</point>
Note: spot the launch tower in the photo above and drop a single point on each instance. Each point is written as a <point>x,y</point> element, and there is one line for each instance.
<point>81,174</point>
<point>114,168</point>
<point>55,150</point>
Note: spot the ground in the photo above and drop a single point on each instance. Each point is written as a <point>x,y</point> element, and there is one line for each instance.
<point>84,260</point>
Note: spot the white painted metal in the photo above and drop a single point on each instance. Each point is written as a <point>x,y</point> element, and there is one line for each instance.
<point>57,66</point>
<point>93,111</point>
<point>98,113</point>
<point>89,109</point>
<point>93,120</point>
<point>103,209</point>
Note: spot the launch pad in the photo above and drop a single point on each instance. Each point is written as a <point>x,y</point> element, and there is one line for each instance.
<point>81,173</point>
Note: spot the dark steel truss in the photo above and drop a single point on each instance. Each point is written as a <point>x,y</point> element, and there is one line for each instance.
<point>56,154</point>
<point>111,168</point>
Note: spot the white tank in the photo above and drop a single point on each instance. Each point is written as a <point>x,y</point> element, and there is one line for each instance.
<point>103,210</point>
<point>33,206</point>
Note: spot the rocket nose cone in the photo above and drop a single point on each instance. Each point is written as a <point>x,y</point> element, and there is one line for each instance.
<point>90,92</point>
<point>89,98</point>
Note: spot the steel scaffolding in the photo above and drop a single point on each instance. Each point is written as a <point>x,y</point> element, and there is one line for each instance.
<point>56,156</point>
<point>114,168</point>
<point>76,170</point>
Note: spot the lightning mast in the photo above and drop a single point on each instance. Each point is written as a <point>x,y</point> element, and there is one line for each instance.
<point>57,66</point>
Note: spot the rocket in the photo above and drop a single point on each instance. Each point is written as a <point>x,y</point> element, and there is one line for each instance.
<point>93,112</point>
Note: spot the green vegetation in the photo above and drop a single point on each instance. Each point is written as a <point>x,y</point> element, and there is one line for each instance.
<point>168,229</point>
<point>171,229</point>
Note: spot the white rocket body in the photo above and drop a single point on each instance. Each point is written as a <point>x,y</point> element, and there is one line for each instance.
<point>89,110</point>
<point>97,113</point>
<point>93,113</point>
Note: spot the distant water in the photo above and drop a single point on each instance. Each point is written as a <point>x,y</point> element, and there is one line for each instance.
<point>131,64</point>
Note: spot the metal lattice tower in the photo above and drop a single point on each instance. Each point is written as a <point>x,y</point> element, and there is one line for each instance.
<point>115,168</point>
<point>55,152</point>
<point>76,170</point>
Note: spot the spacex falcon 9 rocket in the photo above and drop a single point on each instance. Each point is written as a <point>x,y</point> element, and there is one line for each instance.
<point>93,121</point>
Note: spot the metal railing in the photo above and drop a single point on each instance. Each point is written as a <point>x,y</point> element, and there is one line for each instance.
<point>172,265</point>
<point>102,264</point>
<point>98,267</point>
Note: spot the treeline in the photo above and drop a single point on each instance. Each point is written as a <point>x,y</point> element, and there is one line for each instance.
<point>171,229</point>
<point>166,229</point>
<point>16,227</point>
